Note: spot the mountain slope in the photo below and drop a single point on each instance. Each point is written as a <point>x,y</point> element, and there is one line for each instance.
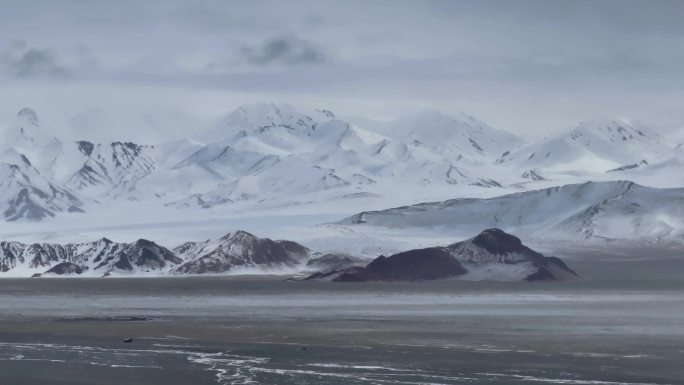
<point>238,250</point>
<point>491,255</point>
<point>99,258</point>
<point>94,169</point>
<point>461,135</point>
<point>594,146</point>
<point>267,151</point>
<point>261,117</point>
<point>273,155</point>
<point>263,152</point>
<point>110,169</point>
<point>590,211</point>
<point>25,194</point>
<point>24,131</point>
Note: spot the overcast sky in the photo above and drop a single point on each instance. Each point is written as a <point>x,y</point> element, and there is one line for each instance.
<point>531,67</point>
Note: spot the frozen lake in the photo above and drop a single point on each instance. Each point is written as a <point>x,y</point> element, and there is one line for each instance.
<point>266,330</point>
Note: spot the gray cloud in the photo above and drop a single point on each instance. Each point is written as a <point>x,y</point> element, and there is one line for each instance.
<point>289,51</point>
<point>21,61</point>
<point>528,63</point>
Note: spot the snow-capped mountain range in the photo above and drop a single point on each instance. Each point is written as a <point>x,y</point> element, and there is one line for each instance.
<point>104,257</point>
<point>292,166</point>
<point>275,153</point>
<point>257,152</point>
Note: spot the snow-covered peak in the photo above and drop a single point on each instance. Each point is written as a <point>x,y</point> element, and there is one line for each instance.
<point>594,145</point>
<point>238,249</point>
<point>29,115</point>
<point>616,129</point>
<point>26,194</point>
<point>24,131</point>
<point>427,115</point>
<point>239,235</point>
<point>462,135</point>
<point>259,117</point>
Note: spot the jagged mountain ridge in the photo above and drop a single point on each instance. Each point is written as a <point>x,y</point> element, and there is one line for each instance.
<point>110,168</point>
<point>99,258</point>
<point>260,151</point>
<point>265,153</point>
<point>105,257</point>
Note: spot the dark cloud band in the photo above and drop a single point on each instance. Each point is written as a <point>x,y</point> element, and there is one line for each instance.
<point>288,51</point>
<point>21,61</point>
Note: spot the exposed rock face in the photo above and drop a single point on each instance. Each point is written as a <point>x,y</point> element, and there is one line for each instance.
<point>495,247</point>
<point>65,268</point>
<point>491,255</point>
<point>112,167</point>
<point>11,254</point>
<point>533,174</point>
<point>414,265</point>
<point>103,257</point>
<point>139,255</point>
<point>239,249</point>
<point>629,166</point>
<point>429,263</point>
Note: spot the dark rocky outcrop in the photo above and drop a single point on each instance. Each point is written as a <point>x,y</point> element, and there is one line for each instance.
<point>238,249</point>
<point>491,250</point>
<point>413,265</point>
<point>139,255</point>
<point>533,174</point>
<point>65,268</point>
<point>494,246</point>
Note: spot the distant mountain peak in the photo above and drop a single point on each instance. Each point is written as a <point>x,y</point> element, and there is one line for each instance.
<point>239,234</point>
<point>433,114</point>
<point>429,113</point>
<point>608,121</point>
<point>595,145</point>
<point>496,240</point>
<point>619,124</point>
<point>29,115</point>
<point>259,117</point>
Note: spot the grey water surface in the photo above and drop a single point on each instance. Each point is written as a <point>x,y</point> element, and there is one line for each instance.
<point>623,323</point>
